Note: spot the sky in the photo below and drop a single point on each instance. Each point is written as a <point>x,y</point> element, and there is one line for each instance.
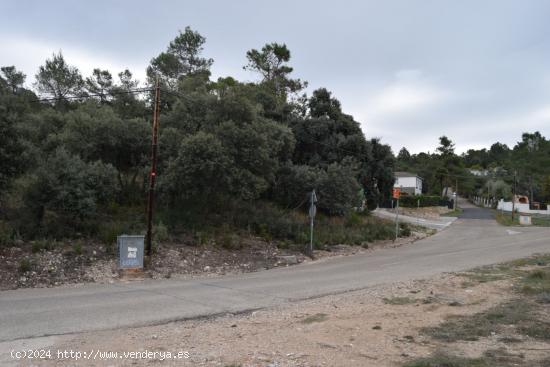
<point>409,71</point>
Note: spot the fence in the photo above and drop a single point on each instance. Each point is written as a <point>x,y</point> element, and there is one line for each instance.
<point>521,208</point>
<point>485,202</point>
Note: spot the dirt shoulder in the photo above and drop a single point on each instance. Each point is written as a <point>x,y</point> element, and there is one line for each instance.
<point>51,264</point>
<point>467,319</point>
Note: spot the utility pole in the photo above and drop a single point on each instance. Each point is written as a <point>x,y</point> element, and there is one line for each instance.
<point>153,174</point>
<point>514,197</point>
<point>418,212</point>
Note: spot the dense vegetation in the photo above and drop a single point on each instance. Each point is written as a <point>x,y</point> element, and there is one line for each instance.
<point>74,150</point>
<point>486,172</point>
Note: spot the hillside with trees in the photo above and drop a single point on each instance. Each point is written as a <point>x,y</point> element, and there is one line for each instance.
<point>75,150</point>
<point>489,173</point>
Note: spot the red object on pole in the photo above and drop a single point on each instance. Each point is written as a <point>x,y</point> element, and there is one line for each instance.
<point>396,192</point>
<point>152,176</point>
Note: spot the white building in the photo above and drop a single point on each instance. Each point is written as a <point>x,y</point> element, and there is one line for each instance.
<point>410,183</point>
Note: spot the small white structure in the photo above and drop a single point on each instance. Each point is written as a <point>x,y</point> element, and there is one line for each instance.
<point>479,172</point>
<point>410,183</point>
<point>525,219</point>
<point>520,208</point>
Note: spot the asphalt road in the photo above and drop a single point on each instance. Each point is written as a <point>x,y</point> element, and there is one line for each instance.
<point>433,223</point>
<point>475,239</point>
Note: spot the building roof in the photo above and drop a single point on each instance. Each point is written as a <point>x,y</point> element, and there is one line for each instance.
<point>405,174</point>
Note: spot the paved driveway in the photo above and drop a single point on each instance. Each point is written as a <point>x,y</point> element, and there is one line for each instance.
<point>433,223</point>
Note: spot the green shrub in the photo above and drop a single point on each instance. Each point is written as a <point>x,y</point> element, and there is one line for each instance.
<point>425,200</point>
<point>36,247</point>
<point>160,233</point>
<point>7,233</point>
<point>69,189</point>
<point>353,219</point>
<point>42,244</point>
<point>108,233</point>
<point>338,190</point>
<point>77,247</point>
<point>25,265</point>
<point>404,230</point>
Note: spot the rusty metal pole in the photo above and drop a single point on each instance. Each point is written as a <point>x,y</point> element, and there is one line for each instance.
<point>153,174</point>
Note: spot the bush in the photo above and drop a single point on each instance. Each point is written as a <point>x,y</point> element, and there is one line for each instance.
<point>25,265</point>
<point>338,190</point>
<point>404,230</point>
<point>7,234</point>
<point>353,219</point>
<point>294,183</point>
<point>77,248</point>
<point>109,232</point>
<point>160,233</point>
<point>70,190</point>
<point>425,200</point>
<point>42,244</point>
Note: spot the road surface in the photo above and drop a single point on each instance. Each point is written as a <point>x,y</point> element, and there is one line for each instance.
<point>474,239</point>
<point>433,223</point>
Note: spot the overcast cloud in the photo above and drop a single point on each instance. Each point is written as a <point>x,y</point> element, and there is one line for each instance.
<point>409,71</point>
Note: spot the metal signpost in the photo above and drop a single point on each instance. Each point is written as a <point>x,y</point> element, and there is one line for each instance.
<point>312,212</point>
<point>396,195</point>
<point>418,212</point>
<point>455,199</point>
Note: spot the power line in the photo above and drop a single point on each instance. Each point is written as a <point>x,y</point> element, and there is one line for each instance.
<point>90,95</point>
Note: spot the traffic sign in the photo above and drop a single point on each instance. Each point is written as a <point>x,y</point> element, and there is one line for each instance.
<point>396,192</point>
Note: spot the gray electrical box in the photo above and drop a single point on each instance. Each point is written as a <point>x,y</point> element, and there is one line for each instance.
<point>130,251</point>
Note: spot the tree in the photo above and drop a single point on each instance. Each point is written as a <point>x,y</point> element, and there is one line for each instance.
<point>498,189</point>
<point>338,190</point>
<point>271,64</point>
<point>12,149</point>
<point>378,179</point>
<point>546,190</point>
<point>321,104</point>
<point>532,142</point>
<point>126,104</point>
<point>187,47</point>
<point>328,135</point>
<point>14,79</point>
<point>127,83</point>
<point>58,80</point>
<point>182,57</point>
<point>96,133</point>
<point>446,146</point>
<point>294,182</point>
<point>257,149</point>
<point>404,155</point>
<point>70,187</point>
<point>100,83</point>
<point>201,170</point>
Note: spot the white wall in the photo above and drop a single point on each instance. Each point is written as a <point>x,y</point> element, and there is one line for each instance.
<point>522,208</point>
<point>411,181</point>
